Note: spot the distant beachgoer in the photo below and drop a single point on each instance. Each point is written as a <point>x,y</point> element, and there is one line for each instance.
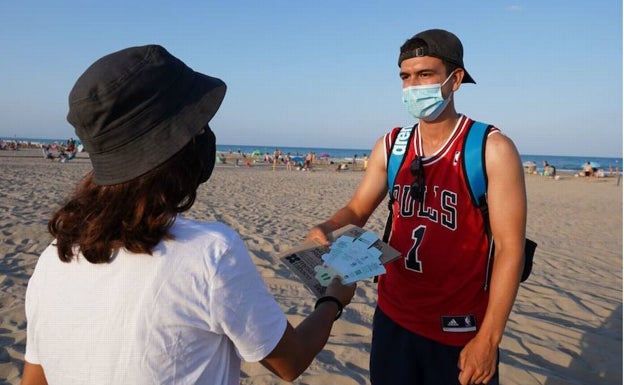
<point>588,170</point>
<point>62,156</point>
<point>72,154</point>
<point>308,161</point>
<point>47,154</point>
<point>70,144</point>
<point>549,170</point>
<point>129,292</point>
<point>276,157</point>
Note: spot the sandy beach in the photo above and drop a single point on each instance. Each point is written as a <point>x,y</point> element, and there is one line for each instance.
<point>565,328</point>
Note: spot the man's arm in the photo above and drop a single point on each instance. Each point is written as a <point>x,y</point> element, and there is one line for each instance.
<point>507,212</point>
<point>371,191</point>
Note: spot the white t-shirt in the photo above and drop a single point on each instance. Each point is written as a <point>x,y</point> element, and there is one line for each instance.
<point>185,315</point>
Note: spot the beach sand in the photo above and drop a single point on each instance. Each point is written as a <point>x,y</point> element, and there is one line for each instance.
<point>565,328</point>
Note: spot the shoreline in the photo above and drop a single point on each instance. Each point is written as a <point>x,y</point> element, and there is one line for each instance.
<point>330,163</point>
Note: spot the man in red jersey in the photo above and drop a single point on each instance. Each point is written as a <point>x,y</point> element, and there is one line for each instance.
<point>437,320</point>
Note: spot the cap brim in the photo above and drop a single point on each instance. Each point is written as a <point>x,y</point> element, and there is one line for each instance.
<point>467,78</point>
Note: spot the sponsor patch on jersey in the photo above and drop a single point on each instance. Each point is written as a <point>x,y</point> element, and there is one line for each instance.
<point>459,323</point>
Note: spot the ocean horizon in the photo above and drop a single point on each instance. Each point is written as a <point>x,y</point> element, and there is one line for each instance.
<point>563,163</point>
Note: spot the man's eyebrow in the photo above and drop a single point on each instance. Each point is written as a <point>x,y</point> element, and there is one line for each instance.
<point>418,72</point>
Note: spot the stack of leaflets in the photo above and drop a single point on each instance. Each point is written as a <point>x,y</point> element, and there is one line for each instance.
<point>351,258</point>
<point>354,254</point>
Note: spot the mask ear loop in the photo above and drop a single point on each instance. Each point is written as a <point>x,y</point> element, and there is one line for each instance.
<point>444,82</point>
<point>454,73</point>
<point>447,79</point>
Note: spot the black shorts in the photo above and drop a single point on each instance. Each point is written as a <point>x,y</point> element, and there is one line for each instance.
<point>400,357</point>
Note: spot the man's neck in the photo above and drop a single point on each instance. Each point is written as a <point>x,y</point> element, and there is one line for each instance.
<point>435,133</point>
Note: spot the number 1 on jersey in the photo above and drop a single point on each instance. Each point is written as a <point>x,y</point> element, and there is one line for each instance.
<point>412,262</point>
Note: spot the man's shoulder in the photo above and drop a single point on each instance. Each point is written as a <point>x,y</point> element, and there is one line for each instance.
<point>499,141</point>
<point>501,154</point>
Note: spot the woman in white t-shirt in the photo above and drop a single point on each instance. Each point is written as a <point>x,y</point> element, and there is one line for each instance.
<point>131,293</point>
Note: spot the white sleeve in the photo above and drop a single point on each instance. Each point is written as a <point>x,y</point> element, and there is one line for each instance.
<point>243,307</point>
<point>31,304</point>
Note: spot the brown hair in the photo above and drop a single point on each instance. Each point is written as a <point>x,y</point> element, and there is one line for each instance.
<point>135,215</point>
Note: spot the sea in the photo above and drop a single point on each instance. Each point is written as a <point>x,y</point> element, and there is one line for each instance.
<point>563,164</point>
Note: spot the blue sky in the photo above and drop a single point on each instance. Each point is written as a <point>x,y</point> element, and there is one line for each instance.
<point>324,73</point>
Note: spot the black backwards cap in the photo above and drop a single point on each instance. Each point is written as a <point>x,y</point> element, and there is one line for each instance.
<point>436,43</point>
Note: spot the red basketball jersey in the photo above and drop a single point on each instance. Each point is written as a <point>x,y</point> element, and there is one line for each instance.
<point>437,289</point>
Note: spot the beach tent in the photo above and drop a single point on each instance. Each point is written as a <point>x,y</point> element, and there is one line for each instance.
<point>324,155</point>
<point>529,166</point>
<point>297,160</point>
<point>256,152</point>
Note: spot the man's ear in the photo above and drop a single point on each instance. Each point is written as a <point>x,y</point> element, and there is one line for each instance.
<point>458,77</point>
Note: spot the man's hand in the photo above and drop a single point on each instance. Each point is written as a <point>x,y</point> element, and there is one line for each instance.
<point>319,233</point>
<point>477,362</point>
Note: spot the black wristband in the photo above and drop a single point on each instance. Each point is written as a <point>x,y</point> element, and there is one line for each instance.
<point>331,299</point>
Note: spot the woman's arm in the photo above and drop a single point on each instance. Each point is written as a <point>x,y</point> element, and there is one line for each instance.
<point>33,375</point>
<point>298,346</point>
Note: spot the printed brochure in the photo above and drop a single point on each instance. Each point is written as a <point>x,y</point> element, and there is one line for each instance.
<point>354,254</point>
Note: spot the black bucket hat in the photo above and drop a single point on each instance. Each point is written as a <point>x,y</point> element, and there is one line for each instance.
<point>136,108</point>
<point>437,43</point>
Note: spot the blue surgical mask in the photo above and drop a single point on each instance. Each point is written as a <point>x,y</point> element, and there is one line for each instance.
<point>425,102</point>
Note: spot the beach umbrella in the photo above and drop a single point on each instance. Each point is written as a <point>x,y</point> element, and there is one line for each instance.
<point>297,159</point>
<point>324,155</point>
<point>529,163</point>
<point>256,152</point>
